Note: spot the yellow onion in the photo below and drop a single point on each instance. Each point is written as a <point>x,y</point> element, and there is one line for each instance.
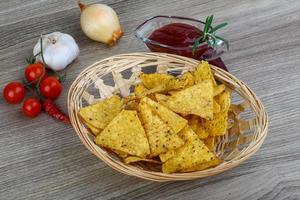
<point>100,23</point>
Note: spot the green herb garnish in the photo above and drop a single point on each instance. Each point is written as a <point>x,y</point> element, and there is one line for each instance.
<point>209,34</point>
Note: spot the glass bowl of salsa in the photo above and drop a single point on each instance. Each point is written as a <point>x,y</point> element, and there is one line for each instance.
<point>176,35</point>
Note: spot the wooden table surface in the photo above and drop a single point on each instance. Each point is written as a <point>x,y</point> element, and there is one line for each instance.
<point>43,159</point>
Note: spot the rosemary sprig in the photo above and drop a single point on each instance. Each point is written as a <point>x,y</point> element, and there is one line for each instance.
<point>209,34</point>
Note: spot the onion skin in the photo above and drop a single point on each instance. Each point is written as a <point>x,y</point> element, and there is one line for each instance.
<point>115,37</point>
<point>100,23</point>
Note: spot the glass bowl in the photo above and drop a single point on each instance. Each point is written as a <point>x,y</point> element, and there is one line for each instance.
<point>204,51</point>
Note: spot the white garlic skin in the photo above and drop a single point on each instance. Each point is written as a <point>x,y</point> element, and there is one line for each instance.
<point>100,23</point>
<point>59,50</point>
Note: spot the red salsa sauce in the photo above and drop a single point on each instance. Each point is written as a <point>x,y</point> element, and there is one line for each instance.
<point>178,38</point>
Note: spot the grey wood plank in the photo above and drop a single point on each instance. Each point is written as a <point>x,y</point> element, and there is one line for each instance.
<point>43,159</point>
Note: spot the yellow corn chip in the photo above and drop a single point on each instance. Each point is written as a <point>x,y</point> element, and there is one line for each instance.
<point>202,166</point>
<point>190,155</point>
<point>196,100</point>
<point>131,102</point>
<point>210,143</point>
<point>195,123</point>
<point>161,97</point>
<point>148,92</point>
<point>132,105</point>
<point>187,135</point>
<point>216,107</point>
<point>100,114</point>
<point>162,82</point>
<point>176,84</point>
<point>219,124</point>
<point>154,80</point>
<point>167,155</point>
<point>203,72</point>
<point>173,120</point>
<point>130,98</point>
<point>187,79</point>
<point>224,101</point>
<point>161,137</point>
<point>157,89</point>
<point>92,129</point>
<point>140,89</point>
<point>219,89</point>
<point>172,92</point>
<point>131,159</point>
<point>120,153</point>
<point>125,133</point>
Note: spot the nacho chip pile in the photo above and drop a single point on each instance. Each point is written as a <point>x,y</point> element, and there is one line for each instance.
<point>168,121</point>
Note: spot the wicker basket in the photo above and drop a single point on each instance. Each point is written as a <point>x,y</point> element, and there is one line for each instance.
<point>119,73</point>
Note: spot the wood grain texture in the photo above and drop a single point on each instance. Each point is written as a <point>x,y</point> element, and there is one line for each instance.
<point>43,159</point>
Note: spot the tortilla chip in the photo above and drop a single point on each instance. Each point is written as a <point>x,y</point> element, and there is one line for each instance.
<point>224,100</point>
<point>92,129</point>
<point>219,124</point>
<point>216,107</point>
<point>130,98</point>
<point>187,135</point>
<point>210,143</point>
<point>196,124</point>
<point>140,89</point>
<point>154,80</point>
<point>131,102</point>
<point>172,92</point>
<point>173,120</point>
<point>203,72</point>
<point>132,105</point>
<point>100,114</point>
<point>196,100</point>
<point>177,84</point>
<point>218,89</point>
<point>161,137</point>
<point>131,159</point>
<point>121,153</point>
<point>190,155</point>
<point>161,97</point>
<point>167,155</point>
<point>125,133</point>
<point>209,164</point>
<point>187,79</point>
<point>162,82</point>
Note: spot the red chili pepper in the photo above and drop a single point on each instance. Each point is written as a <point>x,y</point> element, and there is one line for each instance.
<point>54,111</point>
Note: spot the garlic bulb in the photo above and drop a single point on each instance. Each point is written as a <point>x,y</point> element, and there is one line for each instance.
<point>100,22</point>
<point>59,50</point>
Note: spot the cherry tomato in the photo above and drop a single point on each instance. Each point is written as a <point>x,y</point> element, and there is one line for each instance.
<point>50,87</point>
<point>34,71</point>
<point>32,107</point>
<point>14,92</point>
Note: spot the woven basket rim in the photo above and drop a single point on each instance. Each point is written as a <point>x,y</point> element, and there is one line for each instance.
<point>159,176</point>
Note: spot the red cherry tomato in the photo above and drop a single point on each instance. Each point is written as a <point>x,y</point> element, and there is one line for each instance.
<point>50,87</point>
<point>32,107</point>
<point>14,92</point>
<point>34,71</point>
